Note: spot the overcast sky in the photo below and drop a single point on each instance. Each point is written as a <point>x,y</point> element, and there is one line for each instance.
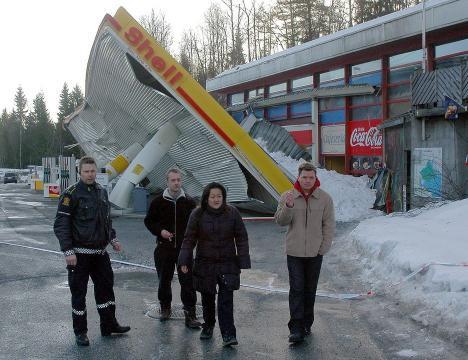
<point>46,43</point>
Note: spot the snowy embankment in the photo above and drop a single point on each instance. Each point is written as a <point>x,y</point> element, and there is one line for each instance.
<point>394,246</point>
<point>352,198</point>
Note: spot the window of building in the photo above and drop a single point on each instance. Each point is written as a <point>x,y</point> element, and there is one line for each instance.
<point>306,82</point>
<point>367,67</point>
<point>277,89</point>
<point>301,109</point>
<point>332,110</point>
<point>255,93</point>
<point>238,116</point>
<point>406,58</point>
<point>277,112</point>
<point>237,98</point>
<point>451,54</point>
<point>331,76</point>
<point>453,48</point>
<point>401,67</point>
<point>366,107</point>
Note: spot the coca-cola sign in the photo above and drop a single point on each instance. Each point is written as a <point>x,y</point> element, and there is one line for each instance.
<point>362,137</point>
<point>365,138</point>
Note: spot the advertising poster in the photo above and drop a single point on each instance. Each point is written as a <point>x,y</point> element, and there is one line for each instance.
<point>333,139</point>
<point>365,146</point>
<point>428,172</point>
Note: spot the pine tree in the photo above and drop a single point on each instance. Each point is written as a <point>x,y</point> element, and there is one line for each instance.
<point>64,110</point>
<point>17,129</point>
<point>41,132</point>
<point>4,143</point>
<point>76,98</point>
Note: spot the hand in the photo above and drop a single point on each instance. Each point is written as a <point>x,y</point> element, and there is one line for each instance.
<point>289,199</point>
<point>167,235</point>
<point>116,246</point>
<point>184,269</point>
<point>70,260</point>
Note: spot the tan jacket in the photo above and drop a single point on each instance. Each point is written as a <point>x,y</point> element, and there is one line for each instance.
<point>311,225</point>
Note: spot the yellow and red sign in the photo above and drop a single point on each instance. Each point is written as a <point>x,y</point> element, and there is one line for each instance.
<point>197,100</point>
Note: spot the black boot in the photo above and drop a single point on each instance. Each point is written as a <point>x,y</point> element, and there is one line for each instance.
<point>207,332</point>
<point>165,313</point>
<point>114,329</point>
<point>296,337</point>
<point>191,319</point>
<point>82,339</point>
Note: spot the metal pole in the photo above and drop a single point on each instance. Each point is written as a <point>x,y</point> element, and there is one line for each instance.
<point>21,142</point>
<point>424,49</point>
<point>424,60</point>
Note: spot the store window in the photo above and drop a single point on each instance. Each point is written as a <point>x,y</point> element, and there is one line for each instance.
<point>451,54</point>
<point>238,116</point>
<point>331,77</point>
<point>303,83</point>
<point>277,90</point>
<point>332,110</point>
<point>301,109</point>
<point>236,99</point>
<point>256,93</point>
<point>366,107</point>
<point>278,112</point>
<point>401,68</point>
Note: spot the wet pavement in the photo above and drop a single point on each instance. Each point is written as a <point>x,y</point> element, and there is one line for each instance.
<point>36,311</point>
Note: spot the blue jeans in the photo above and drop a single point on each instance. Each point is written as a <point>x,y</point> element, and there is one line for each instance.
<point>304,273</point>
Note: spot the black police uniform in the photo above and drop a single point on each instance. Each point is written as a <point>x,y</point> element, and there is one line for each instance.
<point>84,228</point>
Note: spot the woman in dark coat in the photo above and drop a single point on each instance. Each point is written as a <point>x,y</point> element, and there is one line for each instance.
<point>219,234</point>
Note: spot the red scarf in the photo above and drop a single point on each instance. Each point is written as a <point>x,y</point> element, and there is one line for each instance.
<point>297,186</point>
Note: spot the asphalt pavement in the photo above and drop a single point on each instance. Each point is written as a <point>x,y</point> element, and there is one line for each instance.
<point>36,312</point>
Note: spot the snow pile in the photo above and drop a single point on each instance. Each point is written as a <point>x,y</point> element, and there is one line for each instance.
<point>396,245</point>
<point>352,198</point>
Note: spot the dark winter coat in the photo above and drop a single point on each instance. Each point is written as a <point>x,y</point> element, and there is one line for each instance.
<point>83,218</point>
<point>167,213</point>
<point>222,247</point>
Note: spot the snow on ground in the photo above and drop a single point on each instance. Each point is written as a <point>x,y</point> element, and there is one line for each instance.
<point>394,246</point>
<point>352,198</point>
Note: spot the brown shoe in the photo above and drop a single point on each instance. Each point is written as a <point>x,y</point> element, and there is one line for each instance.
<point>191,319</point>
<point>165,314</point>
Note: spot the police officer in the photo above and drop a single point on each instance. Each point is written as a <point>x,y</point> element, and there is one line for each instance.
<point>84,229</point>
<point>167,219</point>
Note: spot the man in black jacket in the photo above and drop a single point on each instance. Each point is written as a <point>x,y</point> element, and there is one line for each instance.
<point>167,219</point>
<point>84,229</point>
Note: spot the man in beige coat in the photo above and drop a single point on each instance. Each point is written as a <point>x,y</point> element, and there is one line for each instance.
<point>308,212</point>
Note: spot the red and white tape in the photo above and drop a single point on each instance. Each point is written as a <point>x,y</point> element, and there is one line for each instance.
<point>339,296</point>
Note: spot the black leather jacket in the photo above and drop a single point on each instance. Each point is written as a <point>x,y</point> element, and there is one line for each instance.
<point>83,219</point>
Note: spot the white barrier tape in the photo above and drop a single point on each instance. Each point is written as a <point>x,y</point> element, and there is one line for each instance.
<point>257,287</point>
<point>340,296</point>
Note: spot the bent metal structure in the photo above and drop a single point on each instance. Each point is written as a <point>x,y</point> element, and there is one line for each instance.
<point>143,113</point>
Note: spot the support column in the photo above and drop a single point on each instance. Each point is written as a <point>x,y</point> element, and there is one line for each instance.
<point>143,164</point>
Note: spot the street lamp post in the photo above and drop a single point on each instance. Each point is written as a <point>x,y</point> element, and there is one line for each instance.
<point>21,142</point>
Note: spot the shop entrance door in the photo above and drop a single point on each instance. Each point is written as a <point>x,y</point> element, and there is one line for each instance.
<point>336,163</point>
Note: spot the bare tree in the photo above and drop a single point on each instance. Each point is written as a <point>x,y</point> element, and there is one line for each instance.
<point>159,28</point>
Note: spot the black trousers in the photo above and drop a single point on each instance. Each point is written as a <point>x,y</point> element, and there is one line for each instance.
<point>304,274</point>
<point>165,260</point>
<point>100,270</point>
<point>225,309</point>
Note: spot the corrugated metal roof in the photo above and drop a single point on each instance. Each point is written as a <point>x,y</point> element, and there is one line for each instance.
<point>120,110</point>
